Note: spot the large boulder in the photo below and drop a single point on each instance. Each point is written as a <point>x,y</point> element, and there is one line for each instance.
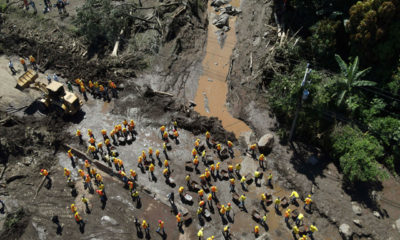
<point>266,143</point>
<point>356,209</point>
<point>345,231</point>
<point>221,20</point>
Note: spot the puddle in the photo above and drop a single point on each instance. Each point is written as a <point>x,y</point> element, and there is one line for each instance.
<point>211,95</point>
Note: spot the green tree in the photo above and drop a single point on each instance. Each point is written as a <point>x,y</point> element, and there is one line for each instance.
<point>358,155</point>
<point>351,77</point>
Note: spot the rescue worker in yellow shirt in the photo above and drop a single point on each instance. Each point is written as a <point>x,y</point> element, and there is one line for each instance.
<point>242,198</point>
<point>70,155</point>
<point>270,180</point>
<point>257,176</point>
<point>304,237</point>
<point>277,203</point>
<point>227,234</point>
<point>87,166</point>
<point>140,162</point>
<point>293,197</point>
<point>295,231</point>
<point>187,179</point>
<point>228,209</point>
<point>160,227</point>
<point>146,227</point>
<point>299,219</point>
<point>92,149</point>
<point>86,202</point>
<point>200,234</point>
<point>313,229</point>
<point>232,185</point>
<point>261,159</point>
<point>230,146</point>
<point>237,169</point>
<point>287,216</point>
<point>158,154</point>
<point>243,182</point>
<point>217,166</point>
<point>211,238</point>
<point>73,208</point>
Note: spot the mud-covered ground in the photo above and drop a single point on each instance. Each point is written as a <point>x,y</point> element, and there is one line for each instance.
<point>31,141</point>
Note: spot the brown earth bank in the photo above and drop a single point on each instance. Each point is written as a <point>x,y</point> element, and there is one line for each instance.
<point>247,100</point>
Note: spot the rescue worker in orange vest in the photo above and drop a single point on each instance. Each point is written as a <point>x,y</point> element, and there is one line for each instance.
<point>83,91</point>
<point>112,134</point>
<point>32,60</point>
<point>209,198</point>
<point>92,141</point>
<point>304,237</point>
<point>222,210</point>
<point>230,145</point>
<point>162,129</point>
<point>151,169</point>
<point>197,144</point>
<point>115,161</point>
<point>160,227</point>
<point>207,174</point>
<point>166,164</point>
<point>261,159</point>
<point>108,144</point>
<point>232,185</point>
<point>79,135</point>
<point>123,176</point>
<point>81,173</point>
<point>196,163</point>
<point>214,191</point>
<point>140,162</point>
<point>133,174</point>
<point>121,164</point>
<point>166,175</point>
<point>99,178</point>
<point>125,132</point>
<point>307,203</point>
<point>45,173</point>
<point>93,172</point>
<point>165,136</point>
<point>201,194</point>
<point>113,88</point>
<point>287,216</point>
<point>73,208</point>
<point>102,195</point>
<point>87,166</point>
<point>176,134</point>
<point>67,173</point>
<point>158,154</point>
<point>92,149</point>
<point>203,179</point>
<point>194,152</point>
<point>90,133</point>
<point>88,182</point>
<point>104,133</point>
<point>70,155</point>
<point>145,226</point>
<point>100,146</point>
<point>78,81</point>
<point>256,230</point>
<point>179,220</point>
<point>22,61</point>
<point>90,85</point>
<point>202,204</point>
<point>230,170</point>
<point>219,148</point>
<point>253,149</point>
<point>212,168</point>
<point>208,135</point>
<point>78,218</point>
<point>144,155</point>
<point>102,94</point>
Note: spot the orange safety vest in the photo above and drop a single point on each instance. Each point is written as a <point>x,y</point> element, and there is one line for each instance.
<point>73,208</point>
<point>208,135</point>
<point>87,164</point>
<point>44,172</point>
<point>194,152</point>
<point>162,128</point>
<point>101,88</point>
<point>195,161</point>
<point>178,219</point>
<point>130,185</point>
<point>67,172</point>
<point>87,179</point>
<point>133,173</point>
<point>256,229</point>
<point>90,84</point>
<point>308,201</point>
<point>161,224</point>
<point>32,59</point>
<point>176,134</point>
<point>78,133</point>
<point>77,217</point>
<point>100,192</point>
<point>230,168</point>
<point>151,168</point>
<point>207,173</point>
<point>213,189</point>
<point>166,164</point>
<point>70,154</point>
<point>200,192</point>
<point>219,147</point>
<point>230,144</point>
<point>22,61</point>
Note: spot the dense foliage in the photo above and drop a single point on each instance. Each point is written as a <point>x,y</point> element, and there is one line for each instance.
<point>353,107</point>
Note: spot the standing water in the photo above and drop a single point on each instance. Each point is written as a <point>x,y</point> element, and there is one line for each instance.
<point>212,88</point>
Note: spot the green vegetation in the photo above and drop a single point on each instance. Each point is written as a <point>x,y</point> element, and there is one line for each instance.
<point>353,109</point>
<point>13,219</point>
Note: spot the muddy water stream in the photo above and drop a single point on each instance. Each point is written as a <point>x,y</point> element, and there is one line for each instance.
<point>212,88</point>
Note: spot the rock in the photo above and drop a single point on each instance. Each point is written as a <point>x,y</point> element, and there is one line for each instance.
<point>105,220</point>
<point>398,224</point>
<point>356,209</point>
<point>218,3</point>
<point>357,222</point>
<point>221,20</point>
<point>345,231</point>
<point>376,214</point>
<point>266,143</point>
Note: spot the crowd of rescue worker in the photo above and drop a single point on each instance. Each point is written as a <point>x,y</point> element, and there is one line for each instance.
<point>104,148</point>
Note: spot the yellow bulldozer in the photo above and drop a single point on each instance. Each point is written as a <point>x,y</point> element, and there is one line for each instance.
<point>57,98</point>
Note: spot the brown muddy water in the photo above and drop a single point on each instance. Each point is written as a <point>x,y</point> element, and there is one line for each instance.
<point>212,88</point>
